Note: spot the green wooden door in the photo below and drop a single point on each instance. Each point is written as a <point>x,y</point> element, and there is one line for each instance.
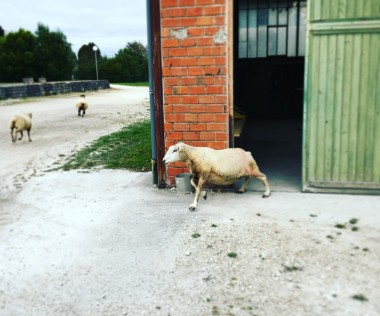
<point>341,141</point>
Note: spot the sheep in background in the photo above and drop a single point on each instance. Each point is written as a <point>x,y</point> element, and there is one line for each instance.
<point>82,105</point>
<point>20,123</point>
<point>221,167</point>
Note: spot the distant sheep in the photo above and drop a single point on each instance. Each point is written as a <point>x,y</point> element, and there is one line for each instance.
<point>82,105</point>
<point>20,123</point>
<point>221,167</point>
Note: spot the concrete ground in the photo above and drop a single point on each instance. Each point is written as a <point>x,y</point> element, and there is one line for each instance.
<point>109,243</point>
<point>100,242</point>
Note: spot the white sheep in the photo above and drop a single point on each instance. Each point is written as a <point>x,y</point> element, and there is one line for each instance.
<point>82,105</point>
<point>20,123</point>
<point>221,167</point>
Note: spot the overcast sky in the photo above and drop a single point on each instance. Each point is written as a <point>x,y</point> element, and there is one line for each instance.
<point>110,24</point>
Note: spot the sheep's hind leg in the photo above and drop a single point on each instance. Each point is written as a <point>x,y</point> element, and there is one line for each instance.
<point>21,134</point>
<point>14,138</point>
<point>29,135</point>
<point>244,186</point>
<point>198,190</point>
<point>263,178</point>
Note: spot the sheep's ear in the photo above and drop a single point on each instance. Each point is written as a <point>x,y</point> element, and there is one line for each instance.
<point>181,149</point>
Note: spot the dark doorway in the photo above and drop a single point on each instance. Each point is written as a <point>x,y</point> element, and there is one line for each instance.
<point>268,85</point>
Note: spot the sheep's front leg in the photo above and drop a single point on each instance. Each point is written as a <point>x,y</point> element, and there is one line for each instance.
<point>21,134</point>
<point>198,190</point>
<point>194,184</point>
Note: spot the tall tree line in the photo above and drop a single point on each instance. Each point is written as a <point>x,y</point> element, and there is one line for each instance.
<point>48,54</point>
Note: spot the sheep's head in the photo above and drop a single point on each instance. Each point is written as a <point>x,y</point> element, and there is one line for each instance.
<point>174,153</point>
<point>29,114</point>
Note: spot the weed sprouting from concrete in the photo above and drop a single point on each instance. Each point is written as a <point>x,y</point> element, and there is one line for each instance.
<point>353,221</point>
<point>291,268</point>
<point>196,235</point>
<point>215,310</point>
<point>359,297</point>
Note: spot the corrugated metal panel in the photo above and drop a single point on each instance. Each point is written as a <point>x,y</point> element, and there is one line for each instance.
<point>343,9</point>
<point>342,103</point>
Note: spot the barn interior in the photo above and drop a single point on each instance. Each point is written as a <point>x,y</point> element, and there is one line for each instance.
<point>268,86</point>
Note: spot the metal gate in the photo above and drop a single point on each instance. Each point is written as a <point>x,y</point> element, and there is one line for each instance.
<point>341,141</point>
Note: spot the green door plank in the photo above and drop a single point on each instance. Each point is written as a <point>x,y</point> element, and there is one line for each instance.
<point>341,138</point>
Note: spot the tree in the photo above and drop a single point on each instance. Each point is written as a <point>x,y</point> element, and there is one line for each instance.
<point>55,59</point>
<point>134,60</point>
<point>48,54</point>
<point>130,64</point>
<point>86,62</point>
<point>17,58</point>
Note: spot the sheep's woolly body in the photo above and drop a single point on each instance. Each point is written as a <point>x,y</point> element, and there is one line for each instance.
<point>220,167</point>
<point>20,123</point>
<point>82,106</point>
<point>81,103</point>
<point>217,163</point>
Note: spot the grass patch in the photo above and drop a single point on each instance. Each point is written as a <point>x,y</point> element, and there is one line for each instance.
<point>232,254</point>
<point>196,235</point>
<point>134,84</point>
<point>129,148</point>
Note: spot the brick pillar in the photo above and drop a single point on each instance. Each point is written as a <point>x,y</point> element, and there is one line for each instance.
<point>194,52</point>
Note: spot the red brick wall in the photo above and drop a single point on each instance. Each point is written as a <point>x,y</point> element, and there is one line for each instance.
<point>194,58</point>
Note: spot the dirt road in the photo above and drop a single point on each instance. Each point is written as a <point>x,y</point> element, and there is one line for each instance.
<point>57,130</point>
<point>107,243</point>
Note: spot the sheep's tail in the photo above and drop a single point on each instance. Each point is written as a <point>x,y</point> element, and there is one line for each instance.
<point>12,123</point>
